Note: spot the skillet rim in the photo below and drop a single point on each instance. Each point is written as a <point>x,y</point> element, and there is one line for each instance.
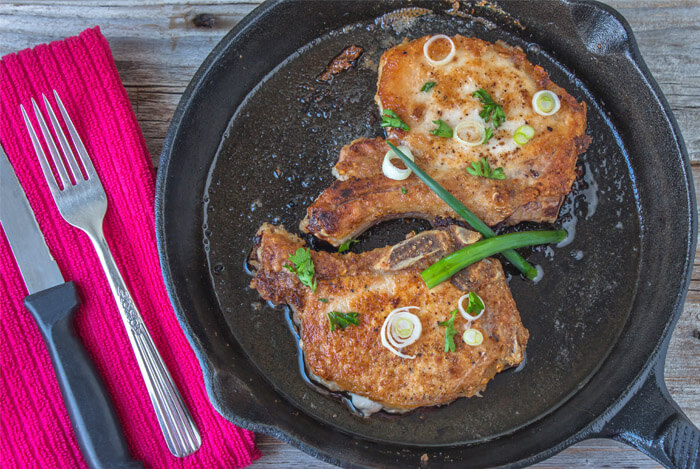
<point>593,428</point>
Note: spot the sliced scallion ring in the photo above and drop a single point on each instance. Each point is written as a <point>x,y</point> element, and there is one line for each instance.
<point>463,310</point>
<point>400,329</point>
<point>545,103</point>
<point>520,139</point>
<point>470,132</point>
<point>473,337</point>
<point>391,171</point>
<point>444,60</point>
<point>526,130</point>
<point>523,134</point>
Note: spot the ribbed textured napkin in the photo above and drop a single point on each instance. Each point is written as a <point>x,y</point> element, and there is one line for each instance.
<point>34,424</point>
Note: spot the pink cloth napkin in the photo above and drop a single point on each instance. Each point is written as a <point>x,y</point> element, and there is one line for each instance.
<point>34,424</point>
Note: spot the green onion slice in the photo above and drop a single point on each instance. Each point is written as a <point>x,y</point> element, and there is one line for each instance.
<point>391,171</point>
<point>523,134</point>
<point>474,305</point>
<point>520,139</point>
<point>470,132</point>
<point>445,59</point>
<point>401,328</point>
<point>458,260</point>
<point>516,259</point>
<point>545,103</point>
<point>526,130</point>
<point>473,337</point>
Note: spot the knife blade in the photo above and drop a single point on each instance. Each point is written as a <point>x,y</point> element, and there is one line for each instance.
<point>53,303</point>
<point>38,267</point>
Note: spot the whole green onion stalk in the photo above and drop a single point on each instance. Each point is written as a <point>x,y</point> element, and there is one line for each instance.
<point>458,260</point>
<point>527,269</point>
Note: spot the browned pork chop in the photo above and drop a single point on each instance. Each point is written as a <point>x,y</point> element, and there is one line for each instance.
<point>538,174</point>
<point>373,284</point>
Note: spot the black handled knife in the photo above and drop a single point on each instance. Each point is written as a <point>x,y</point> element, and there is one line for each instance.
<point>53,303</point>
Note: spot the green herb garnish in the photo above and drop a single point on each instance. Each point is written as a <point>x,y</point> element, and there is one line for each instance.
<point>458,260</point>
<point>346,245</point>
<point>343,320</point>
<point>303,266</point>
<point>442,130</point>
<point>404,190</point>
<point>483,169</point>
<point>450,332</point>
<point>390,119</point>
<point>492,110</point>
<point>476,304</point>
<point>516,259</point>
<point>323,300</point>
<point>488,133</point>
<point>427,86</point>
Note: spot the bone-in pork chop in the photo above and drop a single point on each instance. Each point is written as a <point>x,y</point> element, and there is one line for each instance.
<point>373,284</point>
<point>538,174</point>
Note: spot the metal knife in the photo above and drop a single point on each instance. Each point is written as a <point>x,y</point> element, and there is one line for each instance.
<point>53,302</point>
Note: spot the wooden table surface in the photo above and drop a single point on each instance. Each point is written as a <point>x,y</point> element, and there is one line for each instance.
<point>158,45</point>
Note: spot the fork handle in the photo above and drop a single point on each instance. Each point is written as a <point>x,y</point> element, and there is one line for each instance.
<point>179,430</point>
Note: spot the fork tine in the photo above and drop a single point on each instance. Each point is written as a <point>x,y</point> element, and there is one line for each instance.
<point>67,151</point>
<point>55,155</point>
<point>84,157</point>
<point>41,156</point>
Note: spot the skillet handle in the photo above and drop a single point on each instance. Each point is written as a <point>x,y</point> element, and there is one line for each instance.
<point>652,422</point>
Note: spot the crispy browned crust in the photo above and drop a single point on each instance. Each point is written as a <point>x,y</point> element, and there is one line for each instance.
<point>340,62</point>
<point>373,284</point>
<point>539,174</point>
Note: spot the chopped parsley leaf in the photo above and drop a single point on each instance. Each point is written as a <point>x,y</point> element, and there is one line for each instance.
<point>346,245</point>
<point>303,267</point>
<point>390,119</point>
<point>442,130</point>
<point>487,134</point>
<point>483,169</point>
<point>450,332</point>
<point>427,86</point>
<point>492,110</point>
<point>476,304</point>
<point>343,320</point>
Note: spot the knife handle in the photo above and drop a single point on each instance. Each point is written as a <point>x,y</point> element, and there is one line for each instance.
<point>94,419</point>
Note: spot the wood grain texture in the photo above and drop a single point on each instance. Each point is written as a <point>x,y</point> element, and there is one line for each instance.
<point>158,45</point>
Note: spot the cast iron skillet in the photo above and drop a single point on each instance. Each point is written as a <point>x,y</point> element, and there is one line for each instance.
<point>253,140</point>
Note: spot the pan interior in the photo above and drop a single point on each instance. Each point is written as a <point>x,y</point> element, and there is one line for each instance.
<point>276,157</point>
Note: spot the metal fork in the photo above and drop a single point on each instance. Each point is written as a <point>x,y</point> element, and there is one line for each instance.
<point>83,204</point>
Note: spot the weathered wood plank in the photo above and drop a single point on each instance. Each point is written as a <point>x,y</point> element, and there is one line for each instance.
<point>152,44</point>
<point>158,45</point>
<point>668,34</point>
<point>154,107</point>
<point>592,453</point>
